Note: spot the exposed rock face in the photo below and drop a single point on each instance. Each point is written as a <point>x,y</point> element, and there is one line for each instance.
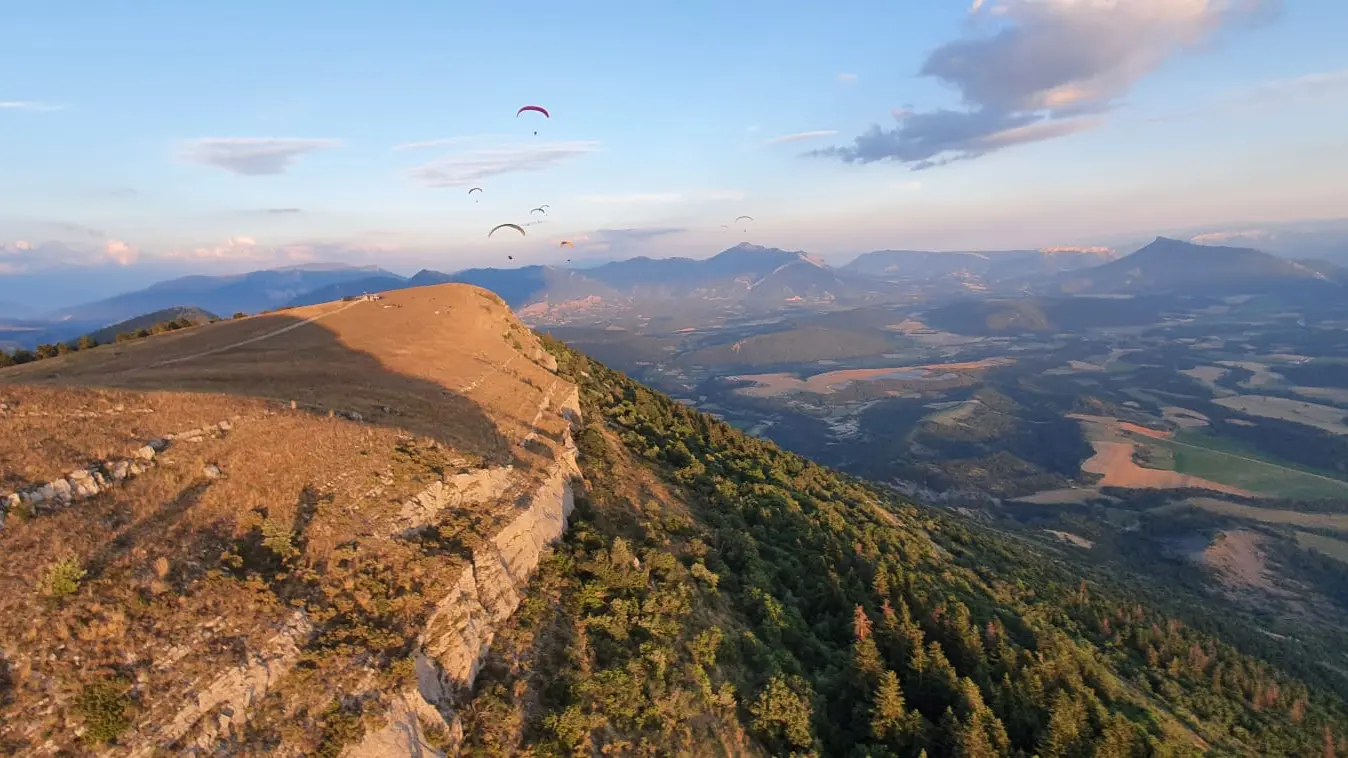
<point>456,491</point>
<point>459,633</point>
<point>230,696</point>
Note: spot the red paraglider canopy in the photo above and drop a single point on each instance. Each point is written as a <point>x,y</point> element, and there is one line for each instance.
<point>536,108</point>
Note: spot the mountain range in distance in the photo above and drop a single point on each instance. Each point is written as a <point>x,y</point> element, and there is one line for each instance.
<point>744,279</point>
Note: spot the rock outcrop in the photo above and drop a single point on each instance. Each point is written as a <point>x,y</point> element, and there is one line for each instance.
<point>459,633</point>
<point>84,483</point>
<point>230,696</point>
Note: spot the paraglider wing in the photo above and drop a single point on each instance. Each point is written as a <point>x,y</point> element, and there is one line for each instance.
<point>566,243</point>
<point>516,227</point>
<point>744,218</point>
<point>539,210</point>
<point>536,109</point>
<point>475,189</point>
<point>545,205</point>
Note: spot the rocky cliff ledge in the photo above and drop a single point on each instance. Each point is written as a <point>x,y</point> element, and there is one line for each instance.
<point>459,633</point>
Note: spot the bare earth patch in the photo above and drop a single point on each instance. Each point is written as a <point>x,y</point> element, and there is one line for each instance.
<point>1263,376</point>
<point>1238,558</point>
<point>1113,459</point>
<point>1065,496</point>
<point>1184,418</point>
<point>1335,521</point>
<point>1329,394</point>
<point>1114,462</point>
<point>1072,539</point>
<point>1324,417</point>
<point>769,385</point>
<point>1208,375</point>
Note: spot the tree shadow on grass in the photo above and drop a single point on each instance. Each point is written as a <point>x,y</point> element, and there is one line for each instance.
<point>287,360</point>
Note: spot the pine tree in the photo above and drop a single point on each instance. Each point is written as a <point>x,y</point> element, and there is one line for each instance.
<point>1066,724</point>
<point>888,717</point>
<point>1119,739</point>
<point>865,655</point>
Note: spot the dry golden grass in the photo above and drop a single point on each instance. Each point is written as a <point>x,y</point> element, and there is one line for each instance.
<point>180,584</point>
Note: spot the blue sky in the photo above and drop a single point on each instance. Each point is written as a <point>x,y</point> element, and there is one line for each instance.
<point>162,137</point>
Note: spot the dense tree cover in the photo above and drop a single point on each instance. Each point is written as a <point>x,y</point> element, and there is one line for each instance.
<point>772,605</point>
<point>87,341</point>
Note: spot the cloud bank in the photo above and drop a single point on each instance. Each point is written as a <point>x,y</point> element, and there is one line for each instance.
<point>473,166</point>
<point>252,156</point>
<point>20,256</point>
<point>1049,68</point>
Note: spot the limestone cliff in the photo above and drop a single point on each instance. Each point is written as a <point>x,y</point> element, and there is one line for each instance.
<point>459,633</point>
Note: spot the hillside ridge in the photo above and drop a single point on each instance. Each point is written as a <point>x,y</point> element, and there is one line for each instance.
<point>462,515</point>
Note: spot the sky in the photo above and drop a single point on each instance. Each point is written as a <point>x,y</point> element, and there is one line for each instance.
<point>143,140</point>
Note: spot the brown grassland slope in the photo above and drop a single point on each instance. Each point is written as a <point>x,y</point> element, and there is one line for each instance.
<point>360,488</point>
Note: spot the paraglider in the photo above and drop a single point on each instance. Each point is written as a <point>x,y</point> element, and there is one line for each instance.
<point>744,218</point>
<point>566,243</point>
<point>516,227</point>
<point>475,189</point>
<point>539,210</point>
<point>536,109</point>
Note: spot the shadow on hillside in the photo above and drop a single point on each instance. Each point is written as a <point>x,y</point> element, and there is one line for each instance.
<point>306,365</point>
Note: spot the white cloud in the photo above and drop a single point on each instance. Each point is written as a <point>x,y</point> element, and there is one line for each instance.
<point>800,136</point>
<point>847,78</point>
<point>23,255</point>
<point>234,248</point>
<point>1045,69</point>
<point>473,166</point>
<point>28,105</point>
<point>252,156</point>
<point>242,249</point>
<point>121,252</point>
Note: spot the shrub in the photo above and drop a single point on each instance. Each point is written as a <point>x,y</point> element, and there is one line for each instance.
<point>62,578</point>
<point>103,706</point>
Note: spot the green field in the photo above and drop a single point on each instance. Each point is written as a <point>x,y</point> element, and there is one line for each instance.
<point>1225,461</point>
